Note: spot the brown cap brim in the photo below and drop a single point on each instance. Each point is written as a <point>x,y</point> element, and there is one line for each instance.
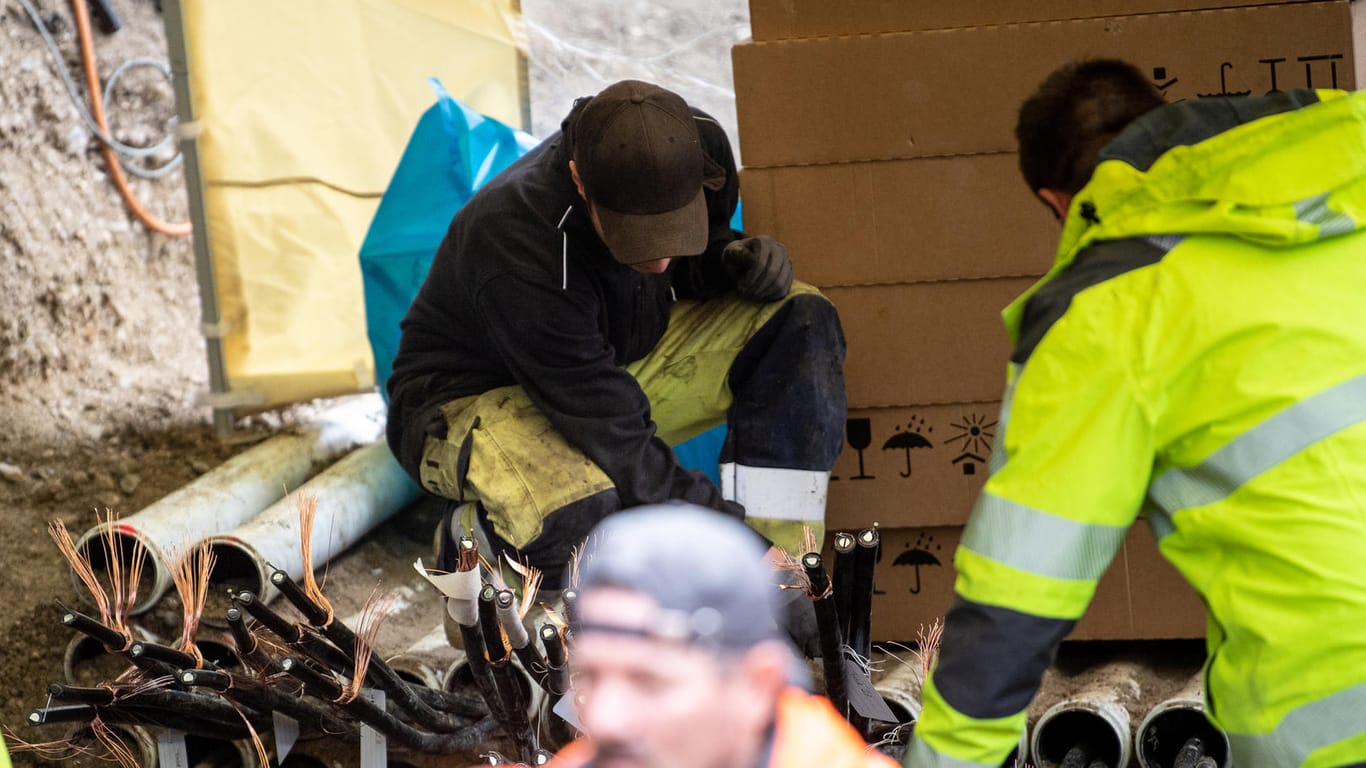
<point>636,238</point>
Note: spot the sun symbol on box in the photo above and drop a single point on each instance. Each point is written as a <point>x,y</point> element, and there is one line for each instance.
<point>975,432</point>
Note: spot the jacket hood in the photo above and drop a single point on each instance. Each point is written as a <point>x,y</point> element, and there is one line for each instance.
<point>1280,170</point>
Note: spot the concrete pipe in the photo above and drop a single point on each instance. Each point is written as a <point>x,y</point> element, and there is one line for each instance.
<point>1096,721</point>
<point>1169,725</point>
<point>354,495</point>
<point>218,501</point>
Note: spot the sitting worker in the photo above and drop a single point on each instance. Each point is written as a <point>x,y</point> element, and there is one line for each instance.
<point>589,308</point>
<point>677,659</point>
<point>1198,352</point>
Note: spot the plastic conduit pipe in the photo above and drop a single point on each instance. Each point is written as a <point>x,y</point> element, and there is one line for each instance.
<point>137,740</point>
<point>354,495</point>
<point>218,501</point>
<point>425,661</point>
<point>1171,723</point>
<point>1095,719</point>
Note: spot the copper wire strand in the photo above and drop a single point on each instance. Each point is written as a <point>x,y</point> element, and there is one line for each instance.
<point>146,685</point>
<point>494,572</point>
<point>531,584</point>
<point>57,750</point>
<point>554,617</point>
<point>255,738</point>
<point>928,642</point>
<point>467,560</point>
<point>576,557</point>
<point>190,575</point>
<point>793,568</point>
<point>809,542</point>
<point>115,749</point>
<point>124,608</point>
<point>80,565</point>
<point>106,746</point>
<point>308,512</point>
<point>112,550</point>
<point>377,608</point>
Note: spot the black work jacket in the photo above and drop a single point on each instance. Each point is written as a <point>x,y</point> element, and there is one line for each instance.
<point>523,291</point>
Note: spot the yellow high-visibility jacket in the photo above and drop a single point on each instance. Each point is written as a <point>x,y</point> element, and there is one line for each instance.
<point>1197,354</point>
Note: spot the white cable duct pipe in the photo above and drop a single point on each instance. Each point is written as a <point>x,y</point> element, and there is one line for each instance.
<point>1166,727</point>
<point>900,688</point>
<point>219,500</point>
<point>427,660</point>
<point>1094,716</point>
<point>460,678</point>
<point>226,497</point>
<point>204,750</point>
<point>353,496</point>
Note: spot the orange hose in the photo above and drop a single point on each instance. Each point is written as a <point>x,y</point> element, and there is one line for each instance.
<point>92,82</point>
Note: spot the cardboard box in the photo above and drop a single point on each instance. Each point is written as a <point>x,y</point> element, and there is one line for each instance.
<point>903,221</point>
<point>957,91</point>
<point>912,467</point>
<point>787,19</point>
<point>925,343</point>
<point>1141,597</point>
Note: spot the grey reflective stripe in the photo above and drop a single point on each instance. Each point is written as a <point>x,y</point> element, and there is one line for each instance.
<point>1165,242</point>
<point>1160,521</point>
<point>1040,543</point>
<point>998,448</point>
<point>1262,447</point>
<point>1315,210</point>
<point>922,755</point>
<point>1304,731</point>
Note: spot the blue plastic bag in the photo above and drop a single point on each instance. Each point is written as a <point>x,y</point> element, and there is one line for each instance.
<point>452,153</point>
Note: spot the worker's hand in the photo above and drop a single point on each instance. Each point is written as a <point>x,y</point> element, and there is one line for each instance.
<point>760,267</point>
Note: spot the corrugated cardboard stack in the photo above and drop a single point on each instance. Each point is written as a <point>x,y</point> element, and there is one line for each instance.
<point>877,140</point>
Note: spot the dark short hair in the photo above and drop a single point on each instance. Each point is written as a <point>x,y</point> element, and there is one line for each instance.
<point>1076,111</point>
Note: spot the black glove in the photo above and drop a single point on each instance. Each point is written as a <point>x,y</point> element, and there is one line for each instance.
<point>760,267</point>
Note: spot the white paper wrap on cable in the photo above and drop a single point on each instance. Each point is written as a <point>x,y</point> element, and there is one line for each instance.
<point>461,589</point>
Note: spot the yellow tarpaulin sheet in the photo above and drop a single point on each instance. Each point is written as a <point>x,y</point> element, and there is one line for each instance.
<point>302,110</point>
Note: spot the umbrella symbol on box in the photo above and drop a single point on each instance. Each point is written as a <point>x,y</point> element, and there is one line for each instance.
<point>917,557</point>
<point>908,440</point>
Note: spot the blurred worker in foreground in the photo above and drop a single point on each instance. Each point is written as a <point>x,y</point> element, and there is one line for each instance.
<point>589,308</point>
<point>677,659</point>
<point>1198,352</point>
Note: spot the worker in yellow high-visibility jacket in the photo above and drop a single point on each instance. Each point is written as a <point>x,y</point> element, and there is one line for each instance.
<point>1198,354</point>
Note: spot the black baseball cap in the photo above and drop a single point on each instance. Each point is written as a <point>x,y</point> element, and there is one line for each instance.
<point>637,152</point>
